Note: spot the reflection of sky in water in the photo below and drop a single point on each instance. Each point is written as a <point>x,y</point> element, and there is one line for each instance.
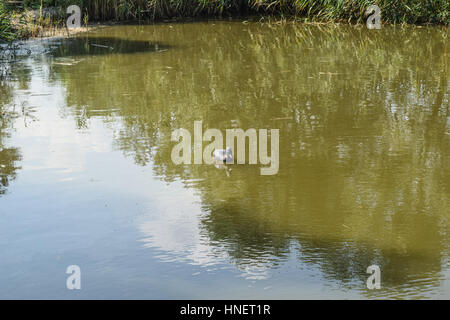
<point>175,229</point>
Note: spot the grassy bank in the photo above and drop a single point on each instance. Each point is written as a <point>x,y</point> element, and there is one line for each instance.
<point>7,32</point>
<point>393,11</point>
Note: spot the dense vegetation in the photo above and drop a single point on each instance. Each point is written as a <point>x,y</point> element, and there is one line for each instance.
<point>6,29</point>
<point>395,11</point>
<point>396,88</point>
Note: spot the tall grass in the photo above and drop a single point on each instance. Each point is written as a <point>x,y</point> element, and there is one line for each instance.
<point>395,11</point>
<point>6,29</point>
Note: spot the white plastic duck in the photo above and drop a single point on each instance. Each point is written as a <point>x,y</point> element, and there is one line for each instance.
<point>224,155</point>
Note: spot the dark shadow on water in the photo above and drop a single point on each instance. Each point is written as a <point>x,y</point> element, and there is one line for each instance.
<point>83,46</point>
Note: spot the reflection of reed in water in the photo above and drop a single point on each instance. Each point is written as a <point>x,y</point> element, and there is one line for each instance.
<point>364,175</point>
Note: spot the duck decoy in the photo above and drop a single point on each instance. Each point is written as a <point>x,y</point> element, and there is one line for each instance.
<point>224,155</point>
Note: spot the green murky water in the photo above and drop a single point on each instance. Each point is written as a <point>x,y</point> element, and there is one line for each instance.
<point>364,163</point>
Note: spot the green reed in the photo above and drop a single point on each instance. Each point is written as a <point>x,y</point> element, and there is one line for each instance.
<point>394,11</point>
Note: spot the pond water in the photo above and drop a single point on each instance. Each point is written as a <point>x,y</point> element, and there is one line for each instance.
<point>87,176</point>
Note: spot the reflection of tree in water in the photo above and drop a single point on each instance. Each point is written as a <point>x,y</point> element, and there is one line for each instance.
<point>8,156</point>
<point>364,175</point>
